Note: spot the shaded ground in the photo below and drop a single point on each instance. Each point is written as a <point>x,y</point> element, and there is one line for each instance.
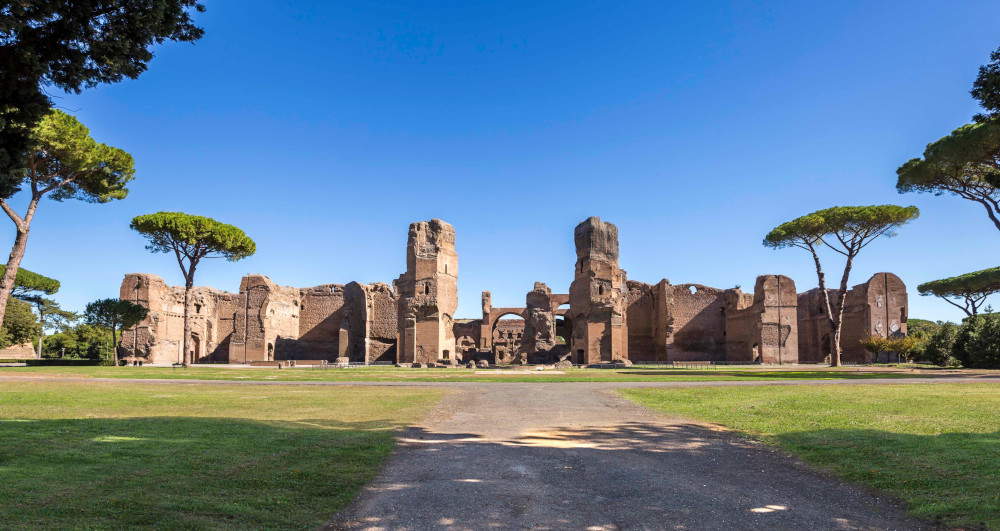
<point>581,457</point>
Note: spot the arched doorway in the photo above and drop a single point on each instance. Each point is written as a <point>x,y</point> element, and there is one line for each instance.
<point>564,325</point>
<point>507,334</point>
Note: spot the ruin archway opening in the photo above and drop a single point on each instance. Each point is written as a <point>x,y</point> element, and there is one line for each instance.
<point>507,333</point>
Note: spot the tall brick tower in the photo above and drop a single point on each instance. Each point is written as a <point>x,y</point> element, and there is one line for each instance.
<point>597,295</point>
<point>428,294</point>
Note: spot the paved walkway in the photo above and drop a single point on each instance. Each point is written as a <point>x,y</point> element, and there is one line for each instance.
<point>560,456</point>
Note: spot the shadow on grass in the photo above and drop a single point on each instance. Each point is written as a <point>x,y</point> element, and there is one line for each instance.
<point>633,475</point>
<point>184,472</point>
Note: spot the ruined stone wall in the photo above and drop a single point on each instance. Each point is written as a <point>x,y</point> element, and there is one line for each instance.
<point>877,307</point>
<point>597,295</point>
<point>382,323</point>
<point>539,343</point>
<point>428,293</point>
<point>508,335</point>
<point>763,328</point>
<point>23,351</point>
<point>814,330</point>
<point>265,312</point>
<point>158,339</point>
<point>368,332</point>
<point>468,338</point>
<point>642,323</point>
<point>698,321</point>
<point>320,320</point>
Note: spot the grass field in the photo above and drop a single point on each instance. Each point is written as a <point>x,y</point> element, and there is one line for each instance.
<point>935,446</point>
<point>636,373</point>
<point>74,455</point>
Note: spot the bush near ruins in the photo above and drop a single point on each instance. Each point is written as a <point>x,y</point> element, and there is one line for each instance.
<point>19,324</point>
<point>977,343</point>
<point>939,346</point>
<point>905,347</point>
<point>83,341</point>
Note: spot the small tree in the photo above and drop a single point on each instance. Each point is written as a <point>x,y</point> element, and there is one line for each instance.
<point>905,346</point>
<point>50,316</point>
<point>971,289</point>
<point>876,345</point>
<point>115,314</point>
<point>845,230</point>
<point>940,346</point>
<point>64,163</point>
<point>19,324</point>
<point>31,287</point>
<point>191,238</point>
<point>977,344</point>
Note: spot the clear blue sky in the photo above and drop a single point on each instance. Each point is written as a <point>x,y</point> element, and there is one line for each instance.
<point>324,128</point>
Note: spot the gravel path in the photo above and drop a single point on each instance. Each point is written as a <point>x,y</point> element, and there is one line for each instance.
<point>561,456</point>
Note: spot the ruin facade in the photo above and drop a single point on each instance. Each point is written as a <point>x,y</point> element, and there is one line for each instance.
<point>604,317</point>
<point>263,322</point>
<point>428,294</point>
<point>877,307</point>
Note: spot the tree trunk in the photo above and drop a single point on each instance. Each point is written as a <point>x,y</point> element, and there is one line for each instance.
<point>839,320</point>
<point>114,344</point>
<point>187,324</point>
<point>41,337</point>
<point>826,301</point>
<point>13,264</point>
<point>991,213</point>
<point>17,251</point>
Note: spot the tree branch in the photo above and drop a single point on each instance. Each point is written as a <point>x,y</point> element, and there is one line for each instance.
<point>59,184</point>
<point>11,214</point>
<point>955,304</point>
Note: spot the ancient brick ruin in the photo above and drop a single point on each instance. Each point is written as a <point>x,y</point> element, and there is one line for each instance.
<point>604,318</point>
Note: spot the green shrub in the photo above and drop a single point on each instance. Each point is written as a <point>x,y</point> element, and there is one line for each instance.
<point>938,349</point>
<point>875,345</point>
<point>922,330</point>
<point>904,346</point>
<point>977,344</point>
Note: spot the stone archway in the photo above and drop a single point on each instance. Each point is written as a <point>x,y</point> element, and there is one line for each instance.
<point>505,338</point>
<point>486,333</point>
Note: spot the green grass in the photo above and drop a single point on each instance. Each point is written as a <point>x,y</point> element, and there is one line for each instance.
<point>74,455</point>
<point>636,373</point>
<point>937,447</point>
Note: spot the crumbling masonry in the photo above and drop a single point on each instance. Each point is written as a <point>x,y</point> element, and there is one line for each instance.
<point>604,318</point>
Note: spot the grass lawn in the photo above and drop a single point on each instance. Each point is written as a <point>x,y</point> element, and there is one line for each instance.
<point>935,446</point>
<point>74,455</point>
<point>636,373</point>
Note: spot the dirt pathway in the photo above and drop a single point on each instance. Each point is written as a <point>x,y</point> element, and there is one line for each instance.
<point>564,456</point>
